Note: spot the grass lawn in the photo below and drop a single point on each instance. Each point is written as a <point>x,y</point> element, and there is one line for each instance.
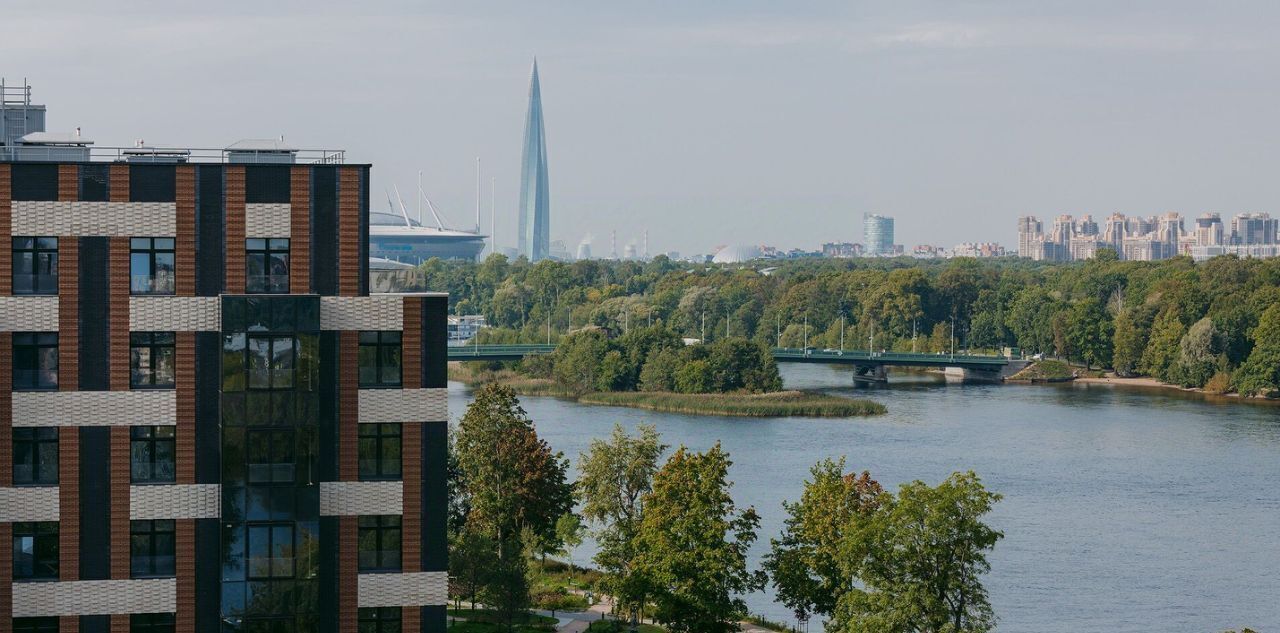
<point>607,626</point>
<point>489,616</point>
<point>489,627</point>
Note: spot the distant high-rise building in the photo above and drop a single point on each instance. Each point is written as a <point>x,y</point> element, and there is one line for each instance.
<point>1209,230</point>
<point>535,197</point>
<point>877,233</point>
<point>1030,231</point>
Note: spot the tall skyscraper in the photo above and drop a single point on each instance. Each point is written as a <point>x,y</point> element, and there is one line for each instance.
<point>535,198</point>
<point>877,231</point>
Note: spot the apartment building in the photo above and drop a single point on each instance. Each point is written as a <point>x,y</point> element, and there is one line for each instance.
<point>207,421</point>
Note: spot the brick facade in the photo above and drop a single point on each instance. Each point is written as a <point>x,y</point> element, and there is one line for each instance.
<point>118,326</point>
<point>6,234</point>
<point>69,503</point>
<point>348,406</point>
<point>119,487</point>
<point>234,247</point>
<point>185,386</point>
<point>300,230</point>
<point>68,313</point>
<point>185,228</point>
<point>348,231</point>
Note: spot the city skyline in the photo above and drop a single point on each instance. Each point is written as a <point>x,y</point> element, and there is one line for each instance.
<point>534,239</point>
<point>977,114</point>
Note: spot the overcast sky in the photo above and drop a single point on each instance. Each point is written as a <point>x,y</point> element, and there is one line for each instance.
<point>705,122</point>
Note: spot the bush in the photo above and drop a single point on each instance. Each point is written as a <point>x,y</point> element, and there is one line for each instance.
<point>1220,383</point>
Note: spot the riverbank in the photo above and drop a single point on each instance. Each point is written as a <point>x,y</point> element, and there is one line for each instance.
<point>764,405</point>
<point>790,403</point>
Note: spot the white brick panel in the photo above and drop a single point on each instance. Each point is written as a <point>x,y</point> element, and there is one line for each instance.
<point>175,501</point>
<point>128,219</point>
<point>174,314</point>
<point>28,314</point>
<point>94,597</point>
<point>267,220</point>
<point>417,589</point>
<point>403,405</point>
<point>362,313</point>
<point>94,408</point>
<point>29,504</point>
<point>351,498</point>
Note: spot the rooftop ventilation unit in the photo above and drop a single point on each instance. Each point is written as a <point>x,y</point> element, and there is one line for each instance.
<point>261,151</point>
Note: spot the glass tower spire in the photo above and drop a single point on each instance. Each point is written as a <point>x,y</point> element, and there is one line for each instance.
<point>535,198</point>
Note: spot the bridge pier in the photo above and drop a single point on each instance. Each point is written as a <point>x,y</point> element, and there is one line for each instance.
<point>968,374</point>
<point>870,373</point>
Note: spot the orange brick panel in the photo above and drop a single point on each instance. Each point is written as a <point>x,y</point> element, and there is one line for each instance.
<point>6,226</point>
<point>411,524</point>
<point>69,624</point>
<point>300,231</point>
<point>118,321</point>
<point>118,183</point>
<point>349,231</point>
<point>185,568</point>
<point>235,229</point>
<point>68,313</point>
<point>411,620</point>
<point>68,183</point>
<point>6,576</point>
<point>119,623</point>
<point>185,433</point>
<point>119,503</point>
<point>185,243</point>
<point>69,503</point>
<point>411,343</point>
<point>348,603</point>
<point>348,397</point>
<point>6,422</point>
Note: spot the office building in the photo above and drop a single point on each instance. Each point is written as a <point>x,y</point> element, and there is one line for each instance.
<point>877,235</point>
<point>535,197</point>
<point>207,421</point>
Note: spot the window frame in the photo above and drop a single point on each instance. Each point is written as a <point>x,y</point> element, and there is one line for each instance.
<point>376,436</point>
<point>281,450</point>
<point>38,624</point>
<point>32,344</point>
<point>380,348</point>
<point>44,538</point>
<point>152,622</point>
<point>154,247</point>
<point>273,371</point>
<point>379,619</point>
<point>35,251</point>
<point>157,560</point>
<point>149,437</point>
<point>271,530</point>
<point>42,440</point>
<point>155,344</point>
<point>267,248</point>
<point>377,528</point>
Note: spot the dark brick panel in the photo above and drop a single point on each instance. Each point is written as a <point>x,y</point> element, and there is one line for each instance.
<point>208,443</point>
<point>95,503</point>
<point>210,231</point>
<point>435,496</point>
<point>93,306</point>
<point>435,342</point>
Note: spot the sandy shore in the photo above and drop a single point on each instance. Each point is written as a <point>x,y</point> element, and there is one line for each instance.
<point>1141,381</point>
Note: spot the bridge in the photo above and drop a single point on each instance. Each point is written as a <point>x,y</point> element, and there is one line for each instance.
<point>868,365</point>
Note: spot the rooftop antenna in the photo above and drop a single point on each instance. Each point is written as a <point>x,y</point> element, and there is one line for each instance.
<point>477,194</point>
<point>645,255</point>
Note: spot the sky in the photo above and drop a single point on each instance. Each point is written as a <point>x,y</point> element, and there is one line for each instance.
<point>704,123</point>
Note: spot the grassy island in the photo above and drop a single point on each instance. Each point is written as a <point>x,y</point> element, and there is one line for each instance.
<point>772,404</point>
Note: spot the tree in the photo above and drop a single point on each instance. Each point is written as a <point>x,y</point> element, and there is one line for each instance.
<point>1260,374</point>
<point>511,478</point>
<point>1128,343</point>
<point>919,561</point>
<point>569,532</point>
<point>691,549</point>
<point>1197,354</point>
<point>616,474</point>
<point>659,372</point>
<point>506,587</point>
<point>1090,330</point>
<point>1164,346</point>
<point>471,556</point>
<point>805,563</point>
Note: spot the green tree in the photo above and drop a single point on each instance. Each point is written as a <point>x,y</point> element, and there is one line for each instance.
<point>471,556</point>
<point>659,372</point>
<point>506,587</point>
<point>919,561</point>
<point>1090,331</point>
<point>692,545</point>
<point>1198,350</point>
<point>1164,347</point>
<point>569,532</point>
<point>1128,342</point>
<point>695,376</point>
<point>805,564</point>
<point>616,474</point>
<point>1260,374</point>
<point>511,478</point>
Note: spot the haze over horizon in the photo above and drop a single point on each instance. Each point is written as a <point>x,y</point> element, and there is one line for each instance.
<point>705,123</point>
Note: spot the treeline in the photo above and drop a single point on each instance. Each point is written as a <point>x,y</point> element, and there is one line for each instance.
<point>655,358</point>
<point>1213,324</point>
<point>672,544</point>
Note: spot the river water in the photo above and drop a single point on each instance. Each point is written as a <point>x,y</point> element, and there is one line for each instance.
<point>1123,510</point>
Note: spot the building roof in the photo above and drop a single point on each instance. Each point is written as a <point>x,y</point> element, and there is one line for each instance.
<point>55,138</point>
<point>260,145</point>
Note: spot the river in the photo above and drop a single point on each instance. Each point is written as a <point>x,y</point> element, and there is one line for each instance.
<point>1123,510</point>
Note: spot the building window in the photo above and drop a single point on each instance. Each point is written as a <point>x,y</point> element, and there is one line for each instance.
<point>151,623</point>
<point>151,265</point>
<point>379,450</point>
<point>151,454</point>
<point>379,543</point>
<point>35,360</point>
<point>267,265</point>
<point>151,545</point>
<point>379,620</point>
<point>34,182</point>
<point>95,183</point>
<point>271,362</point>
<point>152,183</point>
<point>270,455</point>
<point>271,551</point>
<point>380,359</point>
<point>35,265</point>
<point>267,184</point>
<point>35,456</point>
<point>35,550</point>
<point>48,624</point>
<point>151,357</point>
